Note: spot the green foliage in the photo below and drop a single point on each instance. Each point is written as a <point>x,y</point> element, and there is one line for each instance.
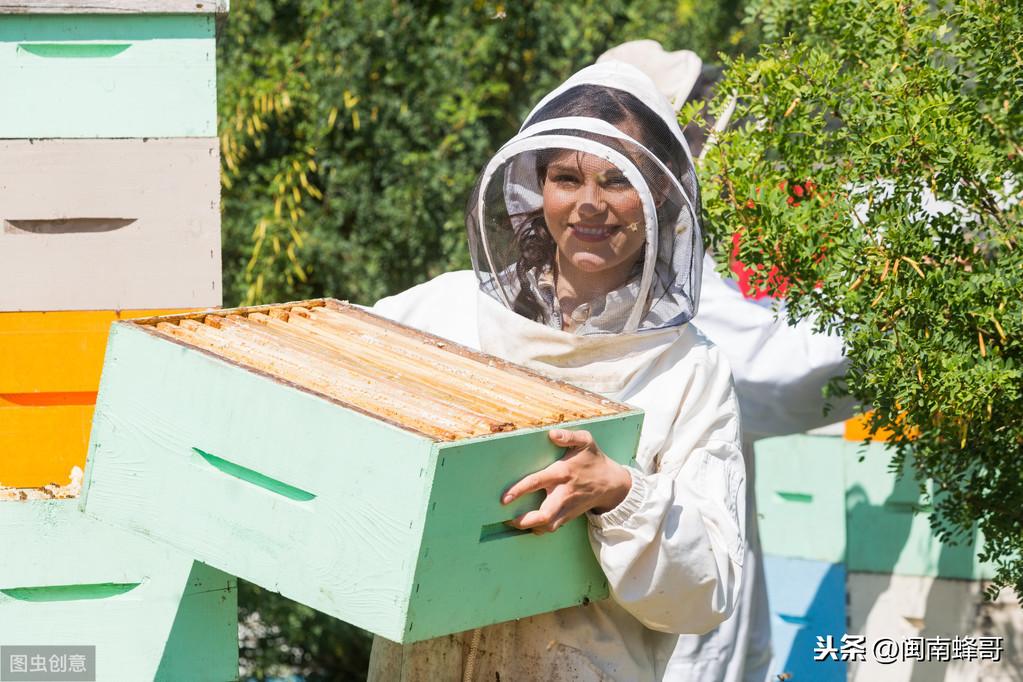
<point>287,639</point>
<point>351,132</point>
<point>884,106</point>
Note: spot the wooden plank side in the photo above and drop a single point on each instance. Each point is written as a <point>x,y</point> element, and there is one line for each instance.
<point>888,523</point>
<point>474,571</point>
<point>801,496</point>
<point>114,6</point>
<point>807,600</point>
<point>41,445</point>
<point>188,448</point>
<point>902,608</point>
<point>108,76</point>
<point>109,224</point>
<point>203,642</point>
<point>66,579</point>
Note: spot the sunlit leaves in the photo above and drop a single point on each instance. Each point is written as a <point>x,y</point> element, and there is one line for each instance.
<point>908,123</point>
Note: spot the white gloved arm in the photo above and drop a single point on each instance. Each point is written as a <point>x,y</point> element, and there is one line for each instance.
<point>672,550</point>
<point>780,370</point>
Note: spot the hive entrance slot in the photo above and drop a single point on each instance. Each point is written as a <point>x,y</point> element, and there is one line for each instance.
<point>66,225</point>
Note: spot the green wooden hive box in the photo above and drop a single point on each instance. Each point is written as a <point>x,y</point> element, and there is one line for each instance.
<point>889,526</point>
<point>345,461</point>
<point>151,612</point>
<point>801,497</point>
<point>107,75</point>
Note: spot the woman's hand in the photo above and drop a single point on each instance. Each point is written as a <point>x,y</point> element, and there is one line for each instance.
<point>584,479</point>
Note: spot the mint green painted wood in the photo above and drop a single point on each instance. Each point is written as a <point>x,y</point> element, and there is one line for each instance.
<point>203,642</point>
<point>473,570</point>
<point>160,400</point>
<point>801,497</point>
<point>817,500</point>
<point>387,510</point>
<point>108,76</point>
<point>113,6</point>
<point>66,579</point>
<point>888,526</point>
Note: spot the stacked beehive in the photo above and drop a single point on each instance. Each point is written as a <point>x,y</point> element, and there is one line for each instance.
<point>850,551</point>
<point>109,208</point>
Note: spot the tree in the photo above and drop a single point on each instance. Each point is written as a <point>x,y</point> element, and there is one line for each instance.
<point>875,171</point>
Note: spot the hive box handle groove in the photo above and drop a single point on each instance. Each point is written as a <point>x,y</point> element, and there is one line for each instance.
<point>48,399</point>
<point>74,50</point>
<point>256,478</point>
<point>794,620</point>
<point>66,225</point>
<point>795,497</point>
<point>500,531</point>
<point>69,592</point>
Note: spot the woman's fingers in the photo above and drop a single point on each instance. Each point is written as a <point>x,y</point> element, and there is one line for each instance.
<point>541,480</point>
<point>570,439</point>
<point>574,483</point>
<point>545,479</point>
<point>552,514</point>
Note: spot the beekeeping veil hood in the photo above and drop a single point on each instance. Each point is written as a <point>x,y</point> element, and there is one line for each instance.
<point>609,115</point>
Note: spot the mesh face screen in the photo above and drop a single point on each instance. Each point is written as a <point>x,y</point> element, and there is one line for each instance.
<point>597,187</point>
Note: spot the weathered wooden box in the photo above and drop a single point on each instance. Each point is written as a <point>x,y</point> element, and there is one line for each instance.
<point>348,462</point>
<point>50,365</point>
<point>151,612</point>
<point>107,75</point>
<point>801,497</point>
<point>109,224</point>
<point>807,600</point>
<point>888,524</point>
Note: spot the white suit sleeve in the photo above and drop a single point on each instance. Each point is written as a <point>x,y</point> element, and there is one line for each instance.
<point>672,551</point>
<point>780,370</point>
<point>445,306</point>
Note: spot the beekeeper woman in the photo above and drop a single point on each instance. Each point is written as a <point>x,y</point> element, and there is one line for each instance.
<point>585,238</point>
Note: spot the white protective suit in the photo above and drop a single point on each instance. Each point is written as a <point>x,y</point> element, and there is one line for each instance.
<point>780,371</point>
<point>673,549</point>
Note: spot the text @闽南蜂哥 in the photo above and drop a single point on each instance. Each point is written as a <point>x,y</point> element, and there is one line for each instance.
<point>856,648</point>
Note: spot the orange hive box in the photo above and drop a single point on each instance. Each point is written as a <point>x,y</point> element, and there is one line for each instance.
<point>50,364</point>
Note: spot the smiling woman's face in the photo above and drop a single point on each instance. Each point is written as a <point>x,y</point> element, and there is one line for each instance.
<point>595,216</point>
